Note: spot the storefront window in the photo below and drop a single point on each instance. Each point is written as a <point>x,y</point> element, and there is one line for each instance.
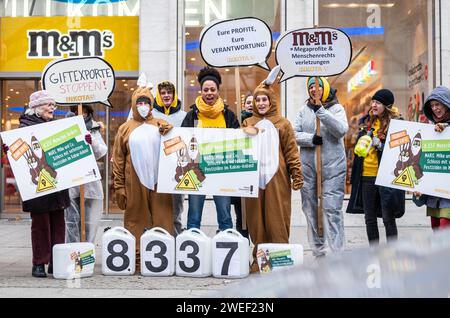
<point>200,13</point>
<point>390,50</point>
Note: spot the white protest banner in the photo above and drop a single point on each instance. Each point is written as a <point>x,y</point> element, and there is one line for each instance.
<point>79,80</point>
<point>236,42</point>
<point>50,157</point>
<point>313,52</point>
<point>416,158</point>
<point>209,161</point>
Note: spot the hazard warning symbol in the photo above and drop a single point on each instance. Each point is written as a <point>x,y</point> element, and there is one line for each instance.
<point>44,183</point>
<point>404,179</point>
<point>187,183</point>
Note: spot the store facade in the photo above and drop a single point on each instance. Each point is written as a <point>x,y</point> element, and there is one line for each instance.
<point>397,44</point>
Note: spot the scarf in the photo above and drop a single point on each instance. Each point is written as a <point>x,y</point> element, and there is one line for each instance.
<point>208,111</point>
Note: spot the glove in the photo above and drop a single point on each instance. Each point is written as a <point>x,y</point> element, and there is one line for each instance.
<point>376,142</point>
<point>88,138</point>
<point>297,184</point>
<point>5,148</point>
<point>317,140</point>
<point>121,198</point>
<point>164,127</point>
<point>251,130</point>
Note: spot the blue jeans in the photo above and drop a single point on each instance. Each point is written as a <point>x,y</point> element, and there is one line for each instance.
<point>223,208</point>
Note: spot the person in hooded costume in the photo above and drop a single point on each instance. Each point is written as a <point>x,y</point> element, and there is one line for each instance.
<point>135,169</point>
<point>437,109</point>
<point>333,127</point>
<point>167,106</point>
<point>269,215</point>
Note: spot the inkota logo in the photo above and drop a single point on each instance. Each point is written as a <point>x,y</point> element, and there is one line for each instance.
<point>77,43</point>
<point>314,38</point>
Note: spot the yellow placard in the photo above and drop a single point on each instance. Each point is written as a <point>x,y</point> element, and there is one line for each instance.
<point>28,44</point>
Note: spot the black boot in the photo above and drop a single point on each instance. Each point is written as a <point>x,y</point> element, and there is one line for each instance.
<point>38,271</point>
<point>50,269</point>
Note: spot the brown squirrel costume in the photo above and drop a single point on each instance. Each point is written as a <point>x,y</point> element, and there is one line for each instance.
<point>135,180</point>
<point>269,215</point>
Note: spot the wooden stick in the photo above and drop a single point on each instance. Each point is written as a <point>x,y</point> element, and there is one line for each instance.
<point>237,85</point>
<point>82,211</point>
<point>319,168</point>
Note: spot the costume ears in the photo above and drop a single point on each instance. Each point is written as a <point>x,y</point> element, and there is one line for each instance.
<point>272,76</point>
<point>142,82</point>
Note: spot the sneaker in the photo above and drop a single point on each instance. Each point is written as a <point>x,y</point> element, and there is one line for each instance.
<point>38,271</point>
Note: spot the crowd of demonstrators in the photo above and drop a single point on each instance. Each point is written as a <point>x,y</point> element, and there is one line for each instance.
<point>333,127</point>
<point>287,158</point>
<point>167,106</point>
<point>269,215</point>
<point>135,169</point>
<point>366,197</point>
<point>209,111</point>
<point>437,109</point>
<point>93,191</point>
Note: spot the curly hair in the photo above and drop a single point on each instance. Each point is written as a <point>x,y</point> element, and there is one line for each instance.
<point>209,73</point>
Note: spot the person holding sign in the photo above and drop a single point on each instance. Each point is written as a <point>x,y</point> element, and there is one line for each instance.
<point>167,106</point>
<point>269,215</point>
<point>135,168</point>
<point>333,127</point>
<point>366,197</point>
<point>209,111</point>
<point>437,109</point>
<point>47,212</point>
<point>93,191</point>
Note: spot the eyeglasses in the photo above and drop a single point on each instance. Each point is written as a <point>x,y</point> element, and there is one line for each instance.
<point>52,105</point>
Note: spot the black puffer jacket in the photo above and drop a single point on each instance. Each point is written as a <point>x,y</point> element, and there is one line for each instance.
<point>50,202</point>
<point>391,199</point>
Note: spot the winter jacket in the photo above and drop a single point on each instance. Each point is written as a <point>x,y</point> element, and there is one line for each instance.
<point>50,202</point>
<point>391,199</point>
<point>192,116</point>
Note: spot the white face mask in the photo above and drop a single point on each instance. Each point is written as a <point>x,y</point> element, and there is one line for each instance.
<point>143,111</point>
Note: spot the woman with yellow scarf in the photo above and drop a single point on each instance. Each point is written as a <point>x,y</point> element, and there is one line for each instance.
<point>209,111</point>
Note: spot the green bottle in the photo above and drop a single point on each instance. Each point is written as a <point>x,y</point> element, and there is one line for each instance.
<point>363,145</point>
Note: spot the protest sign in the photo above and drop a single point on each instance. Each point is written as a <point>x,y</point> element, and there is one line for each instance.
<point>210,161</point>
<point>416,158</point>
<point>50,157</point>
<point>313,52</point>
<point>79,80</point>
<point>236,42</point>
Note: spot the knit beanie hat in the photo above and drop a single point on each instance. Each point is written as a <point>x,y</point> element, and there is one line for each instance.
<point>385,97</point>
<point>40,98</point>
<point>322,83</point>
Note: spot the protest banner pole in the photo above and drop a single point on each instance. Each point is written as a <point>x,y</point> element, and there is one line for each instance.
<point>318,167</point>
<point>237,84</point>
<point>82,211</point>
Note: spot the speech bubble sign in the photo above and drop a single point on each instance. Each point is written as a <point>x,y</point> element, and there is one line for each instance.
<point>313,52</point>
<point>79,80</point>
<point>236,42</point>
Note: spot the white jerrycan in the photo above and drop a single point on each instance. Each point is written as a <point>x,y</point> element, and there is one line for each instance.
<point>118,252</point>
<point>193,254</point>
<point>73,260</point>
<point>230,255</point>
<point>157,253</point>
<point>274,257</point>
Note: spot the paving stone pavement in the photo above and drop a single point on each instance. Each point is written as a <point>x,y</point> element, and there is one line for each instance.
<point>15,259</point>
